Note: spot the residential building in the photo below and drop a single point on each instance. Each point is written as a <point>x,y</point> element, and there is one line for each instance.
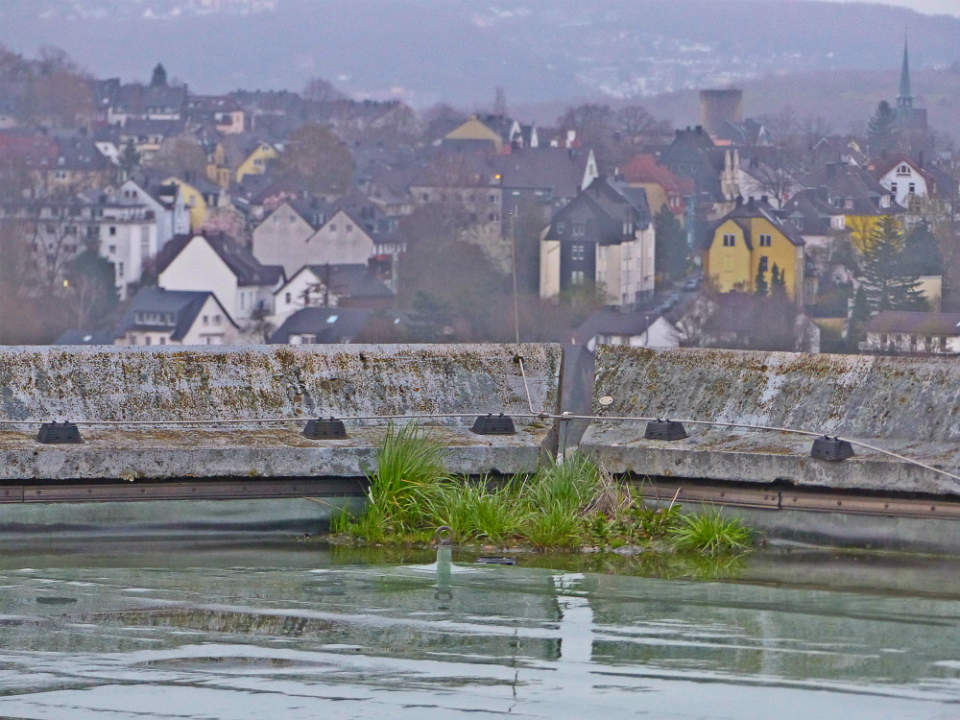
<point>605,238</point>
<point>751,240</point>
<point>168,317</point>
<point>663,187</point>
<point>283,236</point>
<point>320,325</point>
<point>473,135</point>
<point>217,263</point>
<point>237,156</point>
<point>635,329</point>
<point>200,196</point>
<point>221,111</point>
<point>546,177</point>
<point>905,179</point>
<point>895,331</point>
<point>354,286</point>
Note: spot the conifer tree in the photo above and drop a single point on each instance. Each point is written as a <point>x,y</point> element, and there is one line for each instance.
<point>760,283</point>
<point>890,281</point>
<point>778,282</point>
<point>881,128</point>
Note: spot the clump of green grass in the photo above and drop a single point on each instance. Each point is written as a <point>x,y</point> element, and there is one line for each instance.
<point>711,533</point>
<point>564,506</point>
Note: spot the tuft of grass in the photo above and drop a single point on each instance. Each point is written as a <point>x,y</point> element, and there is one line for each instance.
<point>711,533</point>
<point>553,527</point>
<point>409,466</point>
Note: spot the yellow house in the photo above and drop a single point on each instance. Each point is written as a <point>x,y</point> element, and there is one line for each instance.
<point>861,229</point>
<point>198,197</point>
<point>747,239</point>
<point>473,131</point>
<point>236,156</point>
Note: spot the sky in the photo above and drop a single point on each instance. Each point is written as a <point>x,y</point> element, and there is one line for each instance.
<point>945,7</point>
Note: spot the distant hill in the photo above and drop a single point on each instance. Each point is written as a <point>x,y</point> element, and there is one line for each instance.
<point>460,50</point>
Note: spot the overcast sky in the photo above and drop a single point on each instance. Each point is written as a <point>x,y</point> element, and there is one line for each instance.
<point>946,7</point>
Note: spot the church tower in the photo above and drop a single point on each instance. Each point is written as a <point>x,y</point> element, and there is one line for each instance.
<point>904,96</point>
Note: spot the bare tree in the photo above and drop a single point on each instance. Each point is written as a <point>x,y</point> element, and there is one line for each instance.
<point>320,90</point>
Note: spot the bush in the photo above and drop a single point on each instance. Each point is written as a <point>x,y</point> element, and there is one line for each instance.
<point>711,533</point>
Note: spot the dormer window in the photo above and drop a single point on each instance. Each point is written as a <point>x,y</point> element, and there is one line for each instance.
<point>903,170</point>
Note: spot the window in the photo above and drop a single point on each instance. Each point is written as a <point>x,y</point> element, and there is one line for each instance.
<point>493,198</point>
<point>893,189</point>
<point>912,188</point>
<point>308,339</point>
<point>883,340</point>
<point>579,229</point>
<point>206,319</point>
<point>119,270</point>
<point>765,241</point>
<point>577,277</point>
<point>349,228</point>
<point>493,217</point>
<point>243,300</point>
<point>163,340</point>
<point>903,170</point>
<point>113,230</point>
<point>576,253</point>
<point>112,248</point>
<point>729,240</point>
<point>764,263</point>
<point>333,227</point>
<point>217,319</point>
<point>561,227</point>
<point>146,340</point>
<point>287,298</point>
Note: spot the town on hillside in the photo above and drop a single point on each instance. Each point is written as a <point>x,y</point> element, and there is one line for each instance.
<point>146,214</point>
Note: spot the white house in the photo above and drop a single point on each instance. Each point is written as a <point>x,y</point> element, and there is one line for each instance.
<point>635,329</point>
<point>904,179</point>
<point>222,266</point>
<point>128,238</point>
<point>330,286</point>
<point>165,317</point>
<point>283,237</point>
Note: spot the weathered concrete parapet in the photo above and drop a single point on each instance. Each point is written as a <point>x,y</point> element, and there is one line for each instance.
<point>906,405</point>
<point>158,384</point>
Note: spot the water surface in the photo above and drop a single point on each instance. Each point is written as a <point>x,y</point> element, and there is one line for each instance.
<point>297,630</point>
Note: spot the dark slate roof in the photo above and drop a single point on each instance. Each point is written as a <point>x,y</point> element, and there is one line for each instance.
<point>614,322</point>
<point>845,182</point>
<point>611,203</point>
<point>915,323</point>
<point>85,337</point>
<point>330,325</point>
<point>555,169</point>
<point>353,280</point>
<point>808,212</point>
<point>185,305</point>
<point>247,269</point>
<point>138,99</point>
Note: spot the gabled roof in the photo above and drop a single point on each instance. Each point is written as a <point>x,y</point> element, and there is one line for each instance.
<point>746,211</point>
<point>884,165</point>
<point>612,204</point>
<point>473,129</point>
<point>329,325</point>
<point>557,169</point>
<point>645,169</point>
<point>184,305</point>
<point>348,280</point>
<point>241,262</point>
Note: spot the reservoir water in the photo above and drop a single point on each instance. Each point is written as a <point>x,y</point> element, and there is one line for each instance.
<point>234,630</point>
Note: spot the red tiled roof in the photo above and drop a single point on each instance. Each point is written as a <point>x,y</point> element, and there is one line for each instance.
<point>644,169</point>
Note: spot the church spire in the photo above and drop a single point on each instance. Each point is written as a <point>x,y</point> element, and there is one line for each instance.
<point>905,97</point>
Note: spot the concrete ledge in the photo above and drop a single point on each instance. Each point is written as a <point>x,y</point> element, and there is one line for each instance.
<point>906,405</point>
<point>168,384</point>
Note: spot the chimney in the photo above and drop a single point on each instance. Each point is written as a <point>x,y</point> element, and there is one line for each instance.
<point>699,129</point>
<point>764,200</point>
<point>739,201</point>
<point>751,203</point>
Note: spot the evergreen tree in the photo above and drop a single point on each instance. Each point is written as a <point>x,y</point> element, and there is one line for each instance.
<point>922,251</point>
<point>881,128</point>
<point>670,254</point>
<point>129,159</point>
<point>777,280</point>
<point>890,281</point>
<point>760,282</point>
<point>858,319</point>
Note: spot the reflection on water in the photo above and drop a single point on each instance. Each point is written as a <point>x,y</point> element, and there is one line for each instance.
<point>298,631</point>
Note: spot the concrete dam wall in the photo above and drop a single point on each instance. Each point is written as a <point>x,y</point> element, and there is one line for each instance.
<point>241,386</point>
<point>907,405</point>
